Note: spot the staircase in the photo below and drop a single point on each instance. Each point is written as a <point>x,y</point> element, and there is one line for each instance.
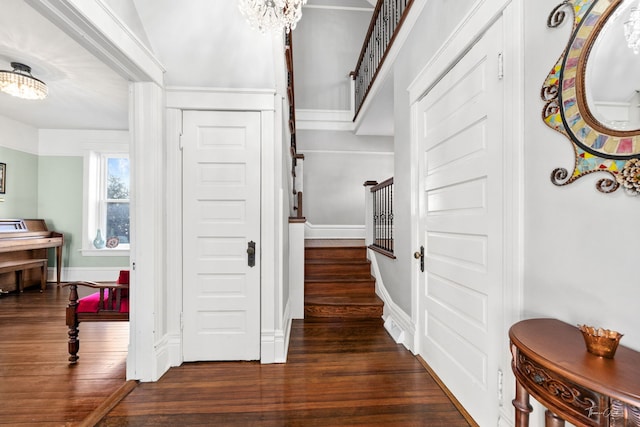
<point>338,281</point>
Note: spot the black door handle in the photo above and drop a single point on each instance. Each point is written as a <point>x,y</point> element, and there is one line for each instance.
<point>251,254</point>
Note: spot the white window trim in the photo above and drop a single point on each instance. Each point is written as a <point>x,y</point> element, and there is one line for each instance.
<point>93,160</point>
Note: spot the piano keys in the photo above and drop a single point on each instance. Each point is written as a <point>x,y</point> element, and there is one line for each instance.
<point>24,239</point>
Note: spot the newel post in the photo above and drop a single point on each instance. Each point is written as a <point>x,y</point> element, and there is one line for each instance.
<point>368,213</point>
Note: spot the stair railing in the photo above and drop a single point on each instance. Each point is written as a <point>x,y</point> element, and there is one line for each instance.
<point>379,223</point>
<point>386,21</point>
<point>294,273</point>
<point>296,158</point>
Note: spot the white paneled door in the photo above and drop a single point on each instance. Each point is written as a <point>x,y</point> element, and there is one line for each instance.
<point>460,127</point>
<point>221,216</point>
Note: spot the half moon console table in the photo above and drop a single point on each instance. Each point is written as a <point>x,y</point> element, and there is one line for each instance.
<point>551,363</point>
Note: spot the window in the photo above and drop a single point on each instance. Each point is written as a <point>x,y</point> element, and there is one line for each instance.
<point>116,202</point>
<point>107,204</point>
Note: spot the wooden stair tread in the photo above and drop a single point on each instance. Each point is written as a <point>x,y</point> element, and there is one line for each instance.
<point>344,300</point>
<point>338,282</point>
<point>338,279</point>
<point>334,243</point>
<point>329,312</point>
<point>341,261</point>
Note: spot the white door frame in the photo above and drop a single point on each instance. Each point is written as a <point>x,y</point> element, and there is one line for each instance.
<point>155,341</point>
<point>482,14</point>
<point>94,26</point>
<point>178,99</point>
<point>221,154</point>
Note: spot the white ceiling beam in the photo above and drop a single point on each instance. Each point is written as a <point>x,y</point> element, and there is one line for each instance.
<point>95,26</point>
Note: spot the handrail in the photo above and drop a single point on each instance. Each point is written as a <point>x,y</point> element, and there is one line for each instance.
<point>388,17</point>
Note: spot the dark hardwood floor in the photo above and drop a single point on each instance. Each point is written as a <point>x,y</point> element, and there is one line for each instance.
<point>339,373</point>
<point>37,385</point>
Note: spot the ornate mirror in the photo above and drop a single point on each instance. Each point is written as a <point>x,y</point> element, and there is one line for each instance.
<point>592,93</point>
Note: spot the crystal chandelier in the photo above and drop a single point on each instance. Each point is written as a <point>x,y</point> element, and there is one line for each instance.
<point>21,83</point>
<point>632,29</point>
<point>272,15</point>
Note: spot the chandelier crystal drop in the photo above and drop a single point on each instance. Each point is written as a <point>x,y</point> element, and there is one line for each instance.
<point>20,83</point>
<point>272,15</point>
<point>632,29</point>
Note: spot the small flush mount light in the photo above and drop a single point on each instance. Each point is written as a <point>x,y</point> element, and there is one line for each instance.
<point>20,83</point>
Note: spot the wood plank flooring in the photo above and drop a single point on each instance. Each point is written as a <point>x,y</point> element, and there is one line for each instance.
<point>339,373</point>
<point>38,387</point>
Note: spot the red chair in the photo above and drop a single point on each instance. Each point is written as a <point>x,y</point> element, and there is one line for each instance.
<point>110,303</point>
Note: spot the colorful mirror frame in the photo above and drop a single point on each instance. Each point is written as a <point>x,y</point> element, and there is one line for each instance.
<point>597,148</point>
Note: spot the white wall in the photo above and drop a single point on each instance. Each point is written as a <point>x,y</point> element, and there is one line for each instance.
<point>580,245</point>
<point>434,25</point>
<point>326,45</point>
<point>18,136</point>
<point>127,12</point>
<point>336,165</point>
<point>578,242</point>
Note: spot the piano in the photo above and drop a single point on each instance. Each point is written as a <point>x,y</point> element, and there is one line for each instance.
<point>24,239</point>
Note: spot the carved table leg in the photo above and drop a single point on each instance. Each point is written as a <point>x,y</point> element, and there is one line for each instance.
<point>74,344</point>
<point>552,420</point>
<point>72,323</point>
<point>521,403</point>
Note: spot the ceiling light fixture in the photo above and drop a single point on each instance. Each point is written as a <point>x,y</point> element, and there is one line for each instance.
<point>632,29</point>
<point>21,83</point>
<point>272,15</point>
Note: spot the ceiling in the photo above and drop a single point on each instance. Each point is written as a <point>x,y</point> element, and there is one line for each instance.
<point>204,43</point>
<point>201,43</point>
<point>83,92</point>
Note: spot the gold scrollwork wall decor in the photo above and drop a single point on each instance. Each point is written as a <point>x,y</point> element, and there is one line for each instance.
<point>598,145</point>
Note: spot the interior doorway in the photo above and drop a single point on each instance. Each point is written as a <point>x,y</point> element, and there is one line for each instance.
<point>460,123</point>
<point>221,235</point>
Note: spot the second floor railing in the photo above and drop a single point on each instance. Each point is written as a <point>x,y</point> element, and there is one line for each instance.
<point>387,19</point>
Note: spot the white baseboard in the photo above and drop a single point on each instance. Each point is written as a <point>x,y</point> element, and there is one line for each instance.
<point>394,330</point>
<point>281,356</point>
<point>174,349</point>
<point>274,344</point>
<point>162,357</point>
<point>397,323</point>
<point>334,231</point>
<point>96,274</point>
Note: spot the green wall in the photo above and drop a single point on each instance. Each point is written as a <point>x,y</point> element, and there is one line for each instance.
<point>21,185</point>
<point>60,197</point>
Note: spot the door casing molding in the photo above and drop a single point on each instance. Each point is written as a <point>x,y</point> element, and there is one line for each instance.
<point>480,17</point>
<point>274,331</point>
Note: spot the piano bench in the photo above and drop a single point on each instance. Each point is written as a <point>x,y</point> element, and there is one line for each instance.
<point>19,265</point>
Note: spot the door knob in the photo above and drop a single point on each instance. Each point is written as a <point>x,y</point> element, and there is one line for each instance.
<point>420,255</point>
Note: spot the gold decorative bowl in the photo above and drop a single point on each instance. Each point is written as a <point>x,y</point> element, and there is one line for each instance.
<point>601,342</point>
